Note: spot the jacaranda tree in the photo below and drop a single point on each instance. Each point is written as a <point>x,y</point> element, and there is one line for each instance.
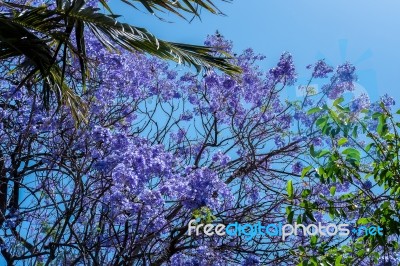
<point>159,148</point>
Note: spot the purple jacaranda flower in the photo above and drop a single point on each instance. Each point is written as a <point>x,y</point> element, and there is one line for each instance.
<point>251,260</point>
<point>321,69</point>
<point>367,184</point>
<point>221,158</point>
<point>297,168</point>
<point>285,71</point>
<point>360,103</point>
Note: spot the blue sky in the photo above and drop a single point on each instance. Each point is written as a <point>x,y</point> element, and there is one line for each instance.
<point>365,33</point>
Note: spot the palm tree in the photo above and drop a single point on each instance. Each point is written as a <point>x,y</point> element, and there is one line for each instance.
<point>47,36</point>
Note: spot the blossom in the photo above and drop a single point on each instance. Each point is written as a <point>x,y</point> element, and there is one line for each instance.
<point>285,71</point>
<point>346,73</point>
<point>360,103</point>
<point>387,101</point>
<point>229,83</point>
<point>251,260</point>
<point>221,158</point>
<point>367,184</point>
<point>218,42</point>
<point>297,168</point>
<point>321,69</point>
<point>343,80</point>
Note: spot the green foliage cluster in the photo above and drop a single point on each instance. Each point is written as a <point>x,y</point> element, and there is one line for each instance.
<point>364,148</point>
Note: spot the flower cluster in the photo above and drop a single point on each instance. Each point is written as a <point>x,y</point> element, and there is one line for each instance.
<point>320,69</point>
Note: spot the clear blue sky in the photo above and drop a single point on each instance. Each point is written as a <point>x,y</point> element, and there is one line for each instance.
<point>366,33</point>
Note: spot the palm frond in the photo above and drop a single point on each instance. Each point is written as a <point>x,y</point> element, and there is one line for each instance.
<point>40,34</point>
<point>177,7</point>
<point>109,31</point>
<point>16,40</point>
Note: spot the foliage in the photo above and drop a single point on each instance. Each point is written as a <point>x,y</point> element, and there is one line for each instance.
<point>364,153</point>
<point>49,34</point>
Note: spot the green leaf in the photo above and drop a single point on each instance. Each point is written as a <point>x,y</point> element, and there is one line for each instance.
<point>322,122</point>
<point>314,261</point>
<point>352,153</point>
<point>354,133</point>
<point>333,190</point>
<point>385,205</point>
<point>299,219</point>
<point>376,115</point>
<point>361,252</point>
<point>290,217</point>
<point>305,193</point>
<point>342,141</point>
<point>338,261</point>
<point>313,241</point>
<point>305,171</point>
<point>338,101</point>
<point>312,151</point>
<point>362,221</point>
<point>289,189</point>
<point>382,127</point>
<point>322,153</point>
<point>369,146</point>
<point>314,110</point>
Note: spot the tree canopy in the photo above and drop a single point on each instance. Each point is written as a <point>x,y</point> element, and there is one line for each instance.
<point>163,147</point>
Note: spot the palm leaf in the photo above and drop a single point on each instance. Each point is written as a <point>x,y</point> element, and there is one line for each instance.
<point>109,31</point>
<point>39,34</point>
<point>16,40</point>
<point>177,7</point>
